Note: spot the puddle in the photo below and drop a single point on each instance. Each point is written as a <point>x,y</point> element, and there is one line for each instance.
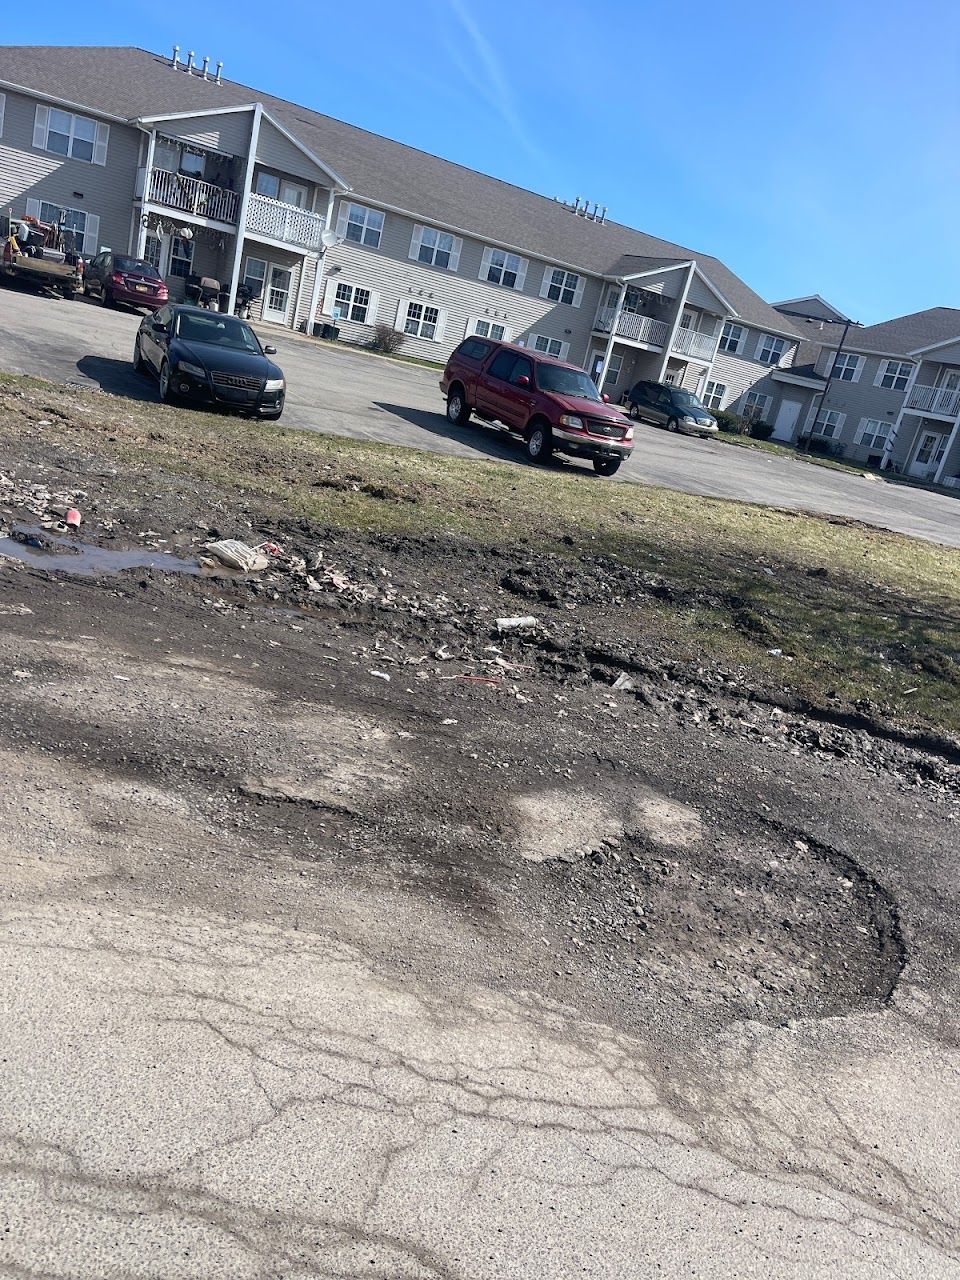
<point>83,558</point>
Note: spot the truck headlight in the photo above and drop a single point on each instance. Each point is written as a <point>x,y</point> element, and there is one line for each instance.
<point>571,420</point>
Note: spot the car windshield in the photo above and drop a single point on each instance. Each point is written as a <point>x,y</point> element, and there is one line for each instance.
<point>138,265</point>
<point>567,382</point>
<point>218,330</point>
<point>687,400</point>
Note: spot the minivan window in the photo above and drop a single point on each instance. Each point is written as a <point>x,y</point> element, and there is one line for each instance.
<point>567,382</point>
<point>686,399</point>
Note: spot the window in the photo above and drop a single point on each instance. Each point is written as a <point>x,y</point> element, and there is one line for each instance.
<point>828,424</point>
<point>562,286</point>
<point>846,367</point>
<point>275,188</point>
<point>754,406</point>
<point>893,375</point>
<point>420,320</point>
<point>488,329</point>
<point>3,105</point>
<point>254,275</point>
<point>731,340</point>
<point>268,184</point>
<point>502,366</point>
<point>181,257</point>
<point>713,394</point>
<point>152,250</point>
<point>435,248</point>
<point>361,225</point>
<point>475,349</point>
<point>352,303</point>
<point>872,433</point>
<point>74,220</point>
<point>549,346</point>
<point>66,134</point>
<point>500,267</point>
<point>770,349</point>
<point>614,369</point>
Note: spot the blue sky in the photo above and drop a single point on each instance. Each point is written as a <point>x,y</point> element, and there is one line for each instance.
<point>813,147</point>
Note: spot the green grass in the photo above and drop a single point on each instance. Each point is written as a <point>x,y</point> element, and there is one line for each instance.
<point>867,616</point>
<point>790,451</point>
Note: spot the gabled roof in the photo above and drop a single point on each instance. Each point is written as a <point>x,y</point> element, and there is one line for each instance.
<point>912,334</point>
<point>128,83</point>
<point>812,305</point>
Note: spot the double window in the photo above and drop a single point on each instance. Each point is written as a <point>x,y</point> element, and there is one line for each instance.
<point>361,225</point>
<point>754,406</point>
<point>506,269</point>
<point>274,187</point>
<point>420,320</point>
<point>872,433</point>
<point>828,424</point>
<point>713,394</point>
<point>770,349</point>
<point>562,286</point>
<point>549,346</point>
<point>435,248</point>
<point>487,329</point>
<point>73,136</point>
<point>85,226</point>
<point>731,339</point>
<point>893,375</point>
<point>847,367</point>
<point>351,302</point>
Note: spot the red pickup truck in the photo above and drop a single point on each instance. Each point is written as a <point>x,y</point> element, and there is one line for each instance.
<point>553,406</point>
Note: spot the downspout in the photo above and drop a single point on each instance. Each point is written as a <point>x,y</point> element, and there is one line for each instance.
<point>614,324</point>
<point>318,278</point>
<point>244,202</point>
<point>681,303</point>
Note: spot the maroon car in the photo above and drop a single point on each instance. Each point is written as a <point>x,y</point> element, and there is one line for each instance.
<point>554,407</point>
<point>116,278</point>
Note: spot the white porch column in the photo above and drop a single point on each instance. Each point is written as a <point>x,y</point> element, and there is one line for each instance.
<point>614,323</point>
<point>319,277</point>
<point>946,454</point>
<point>244,202</point>
<point>672,337</point>
<point>141,241</point>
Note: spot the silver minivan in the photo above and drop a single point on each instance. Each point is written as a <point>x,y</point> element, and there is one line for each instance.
<point>671,407</point>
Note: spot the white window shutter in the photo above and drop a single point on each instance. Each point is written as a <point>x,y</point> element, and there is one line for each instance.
<point>415,242</point>
<point>578,293</point>
<point>545,283</point>
<point>881,370</point>
<point>401,313</point>
<point>861,431</point>
<point>759,346</point>
<point>41,124</point>
<point>485,264</point>
<point>100,146</point>
<point>564,350</point>
<point>329,298</point>
<point>441,325</point>
<point>342,221</point>
<point>3,104</point>
<point>858,370</point>
<point>455,253</point>
<point>372,309</point>
<point>33,209</point>
<point>521,274</point>
<point>831,361</point>
<point>91,235</point>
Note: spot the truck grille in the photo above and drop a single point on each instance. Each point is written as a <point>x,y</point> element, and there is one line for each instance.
<point>235,380</point>
<point>608,429</point>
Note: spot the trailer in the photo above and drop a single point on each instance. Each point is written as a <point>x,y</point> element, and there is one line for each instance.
<point>41,254</point>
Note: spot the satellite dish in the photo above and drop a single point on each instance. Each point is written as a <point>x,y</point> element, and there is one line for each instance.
<point>186,233</point>
<point>329,239</point>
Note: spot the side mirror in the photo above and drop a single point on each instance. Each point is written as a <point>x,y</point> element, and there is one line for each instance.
<point>269,351</point>
<point>159,328</point>
<point>605,398</point>
<point>523,381</point>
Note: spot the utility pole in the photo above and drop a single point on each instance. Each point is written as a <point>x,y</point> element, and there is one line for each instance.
<point>804,443</point>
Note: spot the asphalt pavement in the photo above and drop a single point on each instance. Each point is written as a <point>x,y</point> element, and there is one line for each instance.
<point>346,392</point>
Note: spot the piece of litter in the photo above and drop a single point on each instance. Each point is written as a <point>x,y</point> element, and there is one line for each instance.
<point>21,675</point>
<point>237,555</point>
<point>73,518</point>
<point>126,678</point>
<point>381,675</point>
<point>443,653</point>
<point>623,681</point>
<point>449,722</point>
<point>526,623</point>
<point>15,610</point>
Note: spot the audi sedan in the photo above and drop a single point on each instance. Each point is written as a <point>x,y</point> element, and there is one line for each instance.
<point>207,358</point>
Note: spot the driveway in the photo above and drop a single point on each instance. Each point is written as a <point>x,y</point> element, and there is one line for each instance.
<point>345,392</point>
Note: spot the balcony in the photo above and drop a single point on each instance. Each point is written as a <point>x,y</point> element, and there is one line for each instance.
<point>286,223</point>
<point>701,346</point>
<point>636,328</point>
<point>941,400</point>
<point>191,195</point>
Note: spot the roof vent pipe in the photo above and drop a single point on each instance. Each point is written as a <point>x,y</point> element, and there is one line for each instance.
<point>176,57</point>
<point>219,71</point>
<point>576,205</point>
<point>206,63</point>
<point>603,216</point>
<point>190,63</point>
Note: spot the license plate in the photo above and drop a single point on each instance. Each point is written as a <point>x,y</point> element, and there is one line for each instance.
<point>141,288</point>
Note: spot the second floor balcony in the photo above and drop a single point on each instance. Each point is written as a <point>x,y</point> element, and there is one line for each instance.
<point>286,223</point>
<point>690,342</point>
<point>944,401</point>
<point>635,328</point>
<point>190,195</point>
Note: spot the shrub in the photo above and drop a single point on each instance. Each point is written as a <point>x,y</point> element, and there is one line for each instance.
<point>386,339</point>
<point>761,430</point>
<point>732,423</point>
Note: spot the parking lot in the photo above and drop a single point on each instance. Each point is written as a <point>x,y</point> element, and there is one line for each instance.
<point>341,391</point>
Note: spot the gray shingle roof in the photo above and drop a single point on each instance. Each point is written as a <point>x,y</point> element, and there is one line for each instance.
<point>130,83</point>
<point>910,333</point>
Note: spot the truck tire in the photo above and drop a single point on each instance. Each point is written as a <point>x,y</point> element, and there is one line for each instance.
<point>458,411</point>
<point>606,466</point>
<point>539,441</point>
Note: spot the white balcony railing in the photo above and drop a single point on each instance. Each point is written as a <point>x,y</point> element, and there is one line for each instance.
<point>943,400</point>
<point>285,222</point>
<point>636,328</point>
<point>691,343</point>
<point>193,195</point>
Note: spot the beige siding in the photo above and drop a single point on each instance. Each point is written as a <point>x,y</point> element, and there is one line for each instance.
<point>391,273</point>
<point>274,151</point>
<point>945,355</point>
<point>704,298</point>
<point>293,262</point>
<point>227,133</point>
<point>308,276</point>
<point>106,190</point>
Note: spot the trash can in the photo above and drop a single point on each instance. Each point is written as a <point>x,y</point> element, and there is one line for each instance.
<point>330,332</point>
<point>318,329</point>
<point>224,300</point>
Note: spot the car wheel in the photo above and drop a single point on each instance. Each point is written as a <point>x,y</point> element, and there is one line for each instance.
<point>634,411</point>
<point>69,295</point>
<point>105,299</point>
<point>166,388</point>
<point>539,442</point>
<point>458,411</point>
<point>606,466</point>
<point>139,364</point>
<point>673,425</point>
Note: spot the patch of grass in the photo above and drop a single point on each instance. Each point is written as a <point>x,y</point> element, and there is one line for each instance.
<point>790,451</point>
<point>867,616</point>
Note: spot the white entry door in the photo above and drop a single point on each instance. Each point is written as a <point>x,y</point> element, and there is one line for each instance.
<point>929,454</point>
<point>277,299</point>
<point>786,420</point>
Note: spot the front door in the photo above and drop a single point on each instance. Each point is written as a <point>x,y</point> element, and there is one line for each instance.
<point>929,454</point>
<point>786,420</point>
<point>277,298</point>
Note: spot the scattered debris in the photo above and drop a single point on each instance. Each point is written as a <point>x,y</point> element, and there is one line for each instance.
<point>624,682</point>
<point>381,675</point>
<point>22,675</point>
<point>237,555</point>
<point>527,623</point>
<point>73,518</point>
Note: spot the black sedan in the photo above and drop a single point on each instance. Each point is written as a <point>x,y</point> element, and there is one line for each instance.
<point>209,358</point>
